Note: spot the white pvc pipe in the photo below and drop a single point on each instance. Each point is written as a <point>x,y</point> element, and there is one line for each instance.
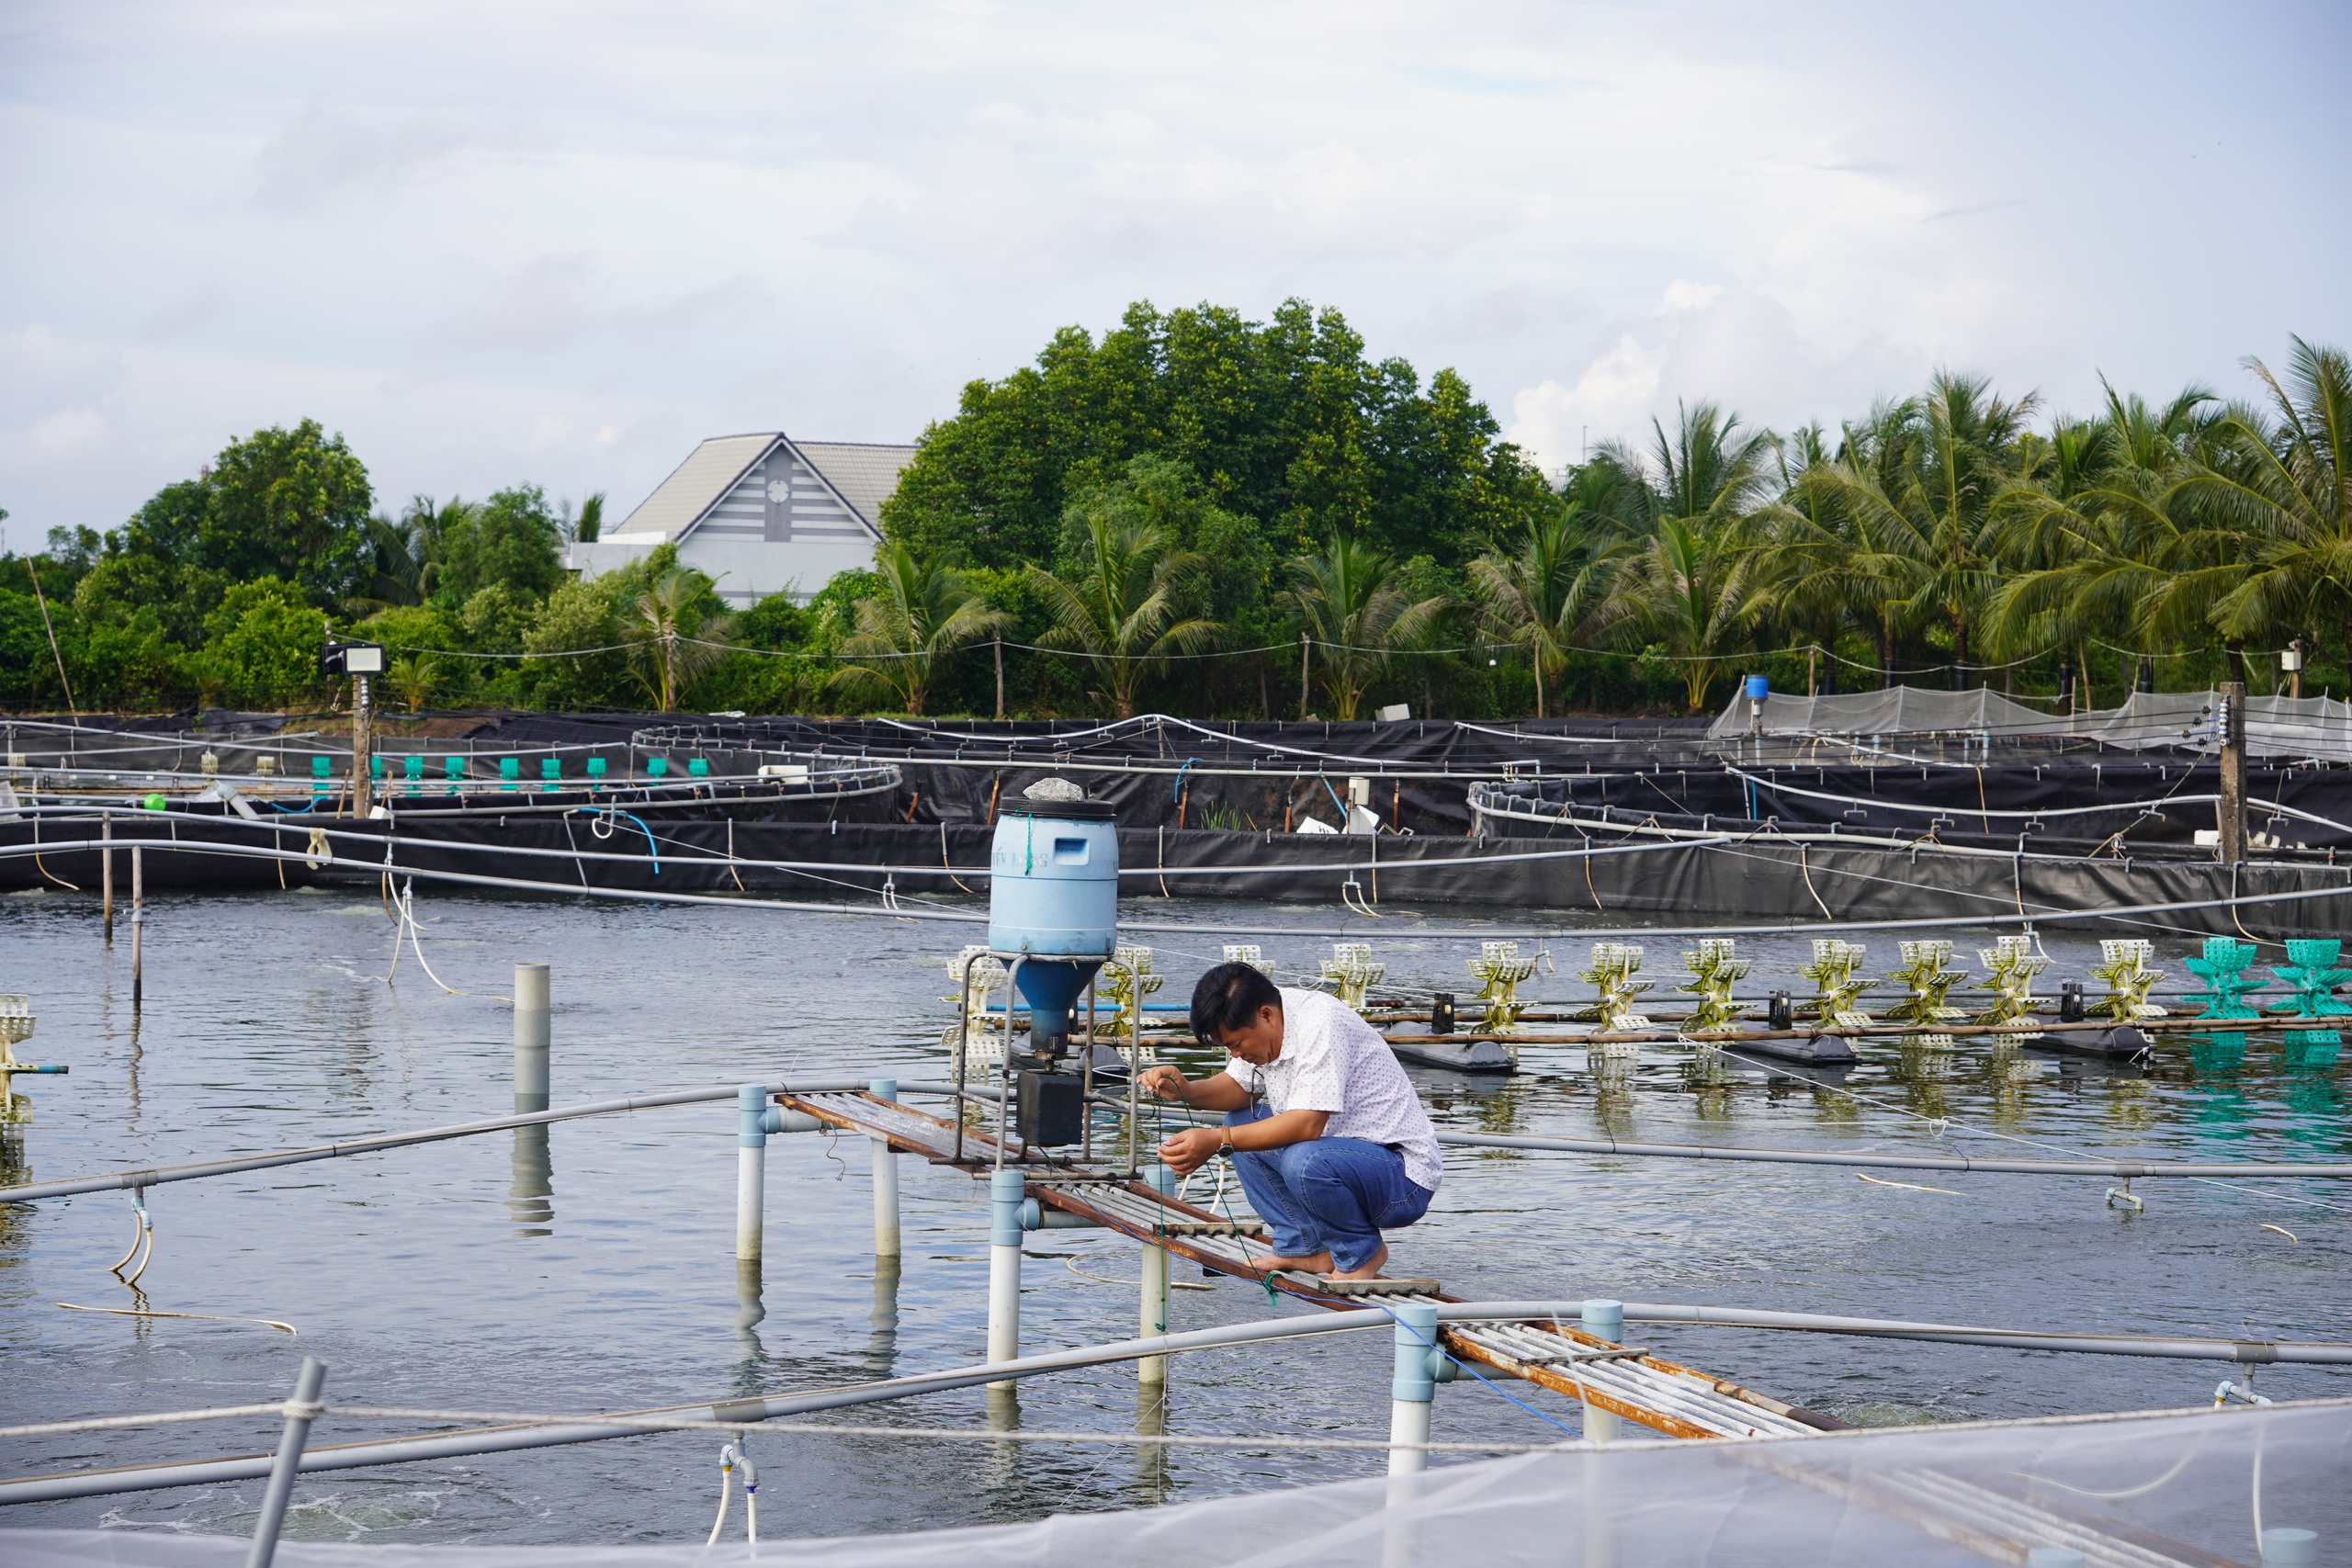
<point>1152,1321</point>
<point>1408,1422</point>
<point>1004,1307</point>
<point>750,1202</point>
<point>886,1199</point>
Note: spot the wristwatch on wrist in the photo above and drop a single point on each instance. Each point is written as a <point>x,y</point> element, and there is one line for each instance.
<point>1224,1142</point>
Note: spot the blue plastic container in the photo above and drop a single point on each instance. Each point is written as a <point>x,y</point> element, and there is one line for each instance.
<point>1759,688</point>
<point>1053,896</point>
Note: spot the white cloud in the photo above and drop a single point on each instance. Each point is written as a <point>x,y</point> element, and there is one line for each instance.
<point>469,236</point>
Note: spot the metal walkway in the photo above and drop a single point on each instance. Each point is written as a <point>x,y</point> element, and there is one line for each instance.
<point>1660,1394</point>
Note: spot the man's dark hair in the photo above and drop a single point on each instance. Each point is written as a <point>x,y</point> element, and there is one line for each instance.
<point>1228,997</point>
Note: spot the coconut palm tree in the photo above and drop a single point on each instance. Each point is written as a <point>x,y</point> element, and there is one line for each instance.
<point>2281,480</point>
<point>1538,596</point>
<point>1697,587</point>
<point>1923,490</point>
<point>2098,541</point>
<point>408,553</point>
<point>1353,609</point>
<point>676,639</point>
<point>924,613</point>
<point>1697,595</point>
<point>1128,606</point>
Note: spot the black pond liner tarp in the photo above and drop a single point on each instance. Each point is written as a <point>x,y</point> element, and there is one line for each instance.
<point>1758,880</point>
<point>2148,802</point>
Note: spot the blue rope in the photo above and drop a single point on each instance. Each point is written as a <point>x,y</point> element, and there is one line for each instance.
<point>650,848</point>
<point>1472,1369</point>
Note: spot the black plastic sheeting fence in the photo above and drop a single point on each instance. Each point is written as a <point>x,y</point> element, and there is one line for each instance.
<point>2079,804</point>
<point>1758,881</point>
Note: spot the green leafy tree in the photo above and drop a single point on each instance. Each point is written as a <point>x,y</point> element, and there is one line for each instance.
<point>510,539</point>
<point>1285,423</point>
<point>1127,605</point>
<point>923,612</point>
<point>1352,608</point>
<point>262,644</point>
<point>286,503</point>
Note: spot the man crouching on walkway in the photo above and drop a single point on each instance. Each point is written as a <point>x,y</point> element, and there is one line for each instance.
<point>1339,1149</point>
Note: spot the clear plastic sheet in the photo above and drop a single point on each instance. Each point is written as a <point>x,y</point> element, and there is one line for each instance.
<point>2127,1492</point>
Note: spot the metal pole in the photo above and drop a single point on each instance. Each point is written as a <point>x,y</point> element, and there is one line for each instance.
<point>106,876</point>
<point>300,1411</point>
<point>531,1037</point>
<point>1413,1386</point>
<point>1004,1066</point>
<point>1603,1320</point>
<point>1302,676</point>
<point>1000,677</point>
<point>362,747</point>
<point>750,1170</point>
<point>1152,1321</point>
<point>2233,804</point>
<point>1134,1083</point>
<point>886,1181</point>
<point>1085,1082</point>
<point>138,925</point>
<point>963,1041</point>
<point>1006,1194</point>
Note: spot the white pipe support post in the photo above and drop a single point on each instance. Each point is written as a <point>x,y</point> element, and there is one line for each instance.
<point>299,1412</point>
<point>755,1120</point>
<point>1006,1193</point>
<point>138,928</point>
<point>1604,1320</point>
<point>1414,1386</point>
<point>1152,1320</point>
<point>885,1181</point>
<point>531,1037</point>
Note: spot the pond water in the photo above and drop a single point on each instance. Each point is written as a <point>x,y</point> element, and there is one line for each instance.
<point>477,1274</point>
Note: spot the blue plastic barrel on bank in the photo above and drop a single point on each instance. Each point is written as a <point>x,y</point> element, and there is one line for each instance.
<point>1053,896</point>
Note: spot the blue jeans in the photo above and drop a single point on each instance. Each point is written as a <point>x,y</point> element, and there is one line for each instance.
<point>1328,1193</point>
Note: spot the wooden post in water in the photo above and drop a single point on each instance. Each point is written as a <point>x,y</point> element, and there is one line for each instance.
<point>106,876</point>
<point>138,921</point>
<point>2232,802</point>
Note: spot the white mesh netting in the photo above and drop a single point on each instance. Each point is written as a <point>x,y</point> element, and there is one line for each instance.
<point>2127,1492</point>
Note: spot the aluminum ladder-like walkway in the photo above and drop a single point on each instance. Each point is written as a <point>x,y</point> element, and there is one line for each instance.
<point>1640,1387</point>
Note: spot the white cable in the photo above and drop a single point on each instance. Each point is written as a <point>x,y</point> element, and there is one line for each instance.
<point>726,1492</point>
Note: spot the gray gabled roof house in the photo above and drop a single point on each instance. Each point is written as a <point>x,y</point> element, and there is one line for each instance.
<point>761,514</point>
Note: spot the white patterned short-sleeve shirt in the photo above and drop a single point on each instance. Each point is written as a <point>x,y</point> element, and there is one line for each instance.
<point>1334,1062</point>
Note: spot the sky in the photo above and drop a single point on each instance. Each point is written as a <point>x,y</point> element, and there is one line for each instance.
<point>496,244</point>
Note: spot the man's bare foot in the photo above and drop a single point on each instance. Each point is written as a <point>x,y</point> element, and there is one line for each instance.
<point>1371,1270</point>
<point>1314,1263</point>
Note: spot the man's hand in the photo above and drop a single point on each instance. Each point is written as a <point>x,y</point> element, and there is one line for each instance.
<point>1187,1150</point>
<point>1165,1082</point>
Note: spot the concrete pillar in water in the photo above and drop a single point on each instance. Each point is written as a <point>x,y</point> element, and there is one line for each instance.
<point>1153,1318</point>
<point>138,925</point>
<point>1603,1320</point>
<point>1005,1196</point>
<point>886,1182</point>
<point>531,1037</point>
